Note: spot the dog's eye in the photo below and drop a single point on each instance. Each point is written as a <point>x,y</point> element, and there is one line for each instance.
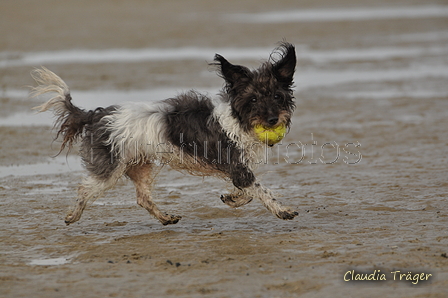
<point>278,96</point>
<point>254,99</point>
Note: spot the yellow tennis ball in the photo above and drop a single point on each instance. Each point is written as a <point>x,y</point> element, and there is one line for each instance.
<point>270,135</point>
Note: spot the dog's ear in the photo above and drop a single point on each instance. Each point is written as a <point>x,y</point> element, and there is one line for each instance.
<point>284,68</point>
<point>231,73</point>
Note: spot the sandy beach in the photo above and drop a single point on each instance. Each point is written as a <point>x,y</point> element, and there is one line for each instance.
<point>365,162</point>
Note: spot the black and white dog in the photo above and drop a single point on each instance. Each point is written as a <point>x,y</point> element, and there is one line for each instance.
<point>190,132</point>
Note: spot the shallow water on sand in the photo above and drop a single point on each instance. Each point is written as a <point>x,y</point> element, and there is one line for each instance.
<point>312,76</point>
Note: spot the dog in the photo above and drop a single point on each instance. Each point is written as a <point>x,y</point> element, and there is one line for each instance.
<point>191,132</point>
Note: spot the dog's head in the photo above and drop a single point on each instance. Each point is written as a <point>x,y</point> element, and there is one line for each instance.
<point>262,96</point>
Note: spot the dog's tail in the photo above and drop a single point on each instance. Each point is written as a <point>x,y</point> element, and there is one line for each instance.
<point>70,119</point>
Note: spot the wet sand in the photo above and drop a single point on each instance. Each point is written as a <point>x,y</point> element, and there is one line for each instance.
<point>372,193</point>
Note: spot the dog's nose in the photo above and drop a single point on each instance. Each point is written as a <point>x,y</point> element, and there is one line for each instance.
<point>273,120</point>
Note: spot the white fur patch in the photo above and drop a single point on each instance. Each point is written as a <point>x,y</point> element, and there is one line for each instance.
<point>49,82</point>
<point>137,131</point>
<point>252,149</point>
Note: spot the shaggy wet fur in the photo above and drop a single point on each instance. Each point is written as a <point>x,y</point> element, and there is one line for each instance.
<point>192,133</point>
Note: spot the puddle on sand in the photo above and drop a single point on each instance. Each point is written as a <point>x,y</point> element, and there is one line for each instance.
<point>56,165</point>
<point>50,262</point>
<point>375,53</point>
<point>130,55</point>
<point>153,54</point>
<point>390,93</point>
<point>315,78</point>
<point>346,14</point>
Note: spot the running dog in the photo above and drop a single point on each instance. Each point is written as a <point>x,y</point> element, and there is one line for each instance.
<point>191,132</point>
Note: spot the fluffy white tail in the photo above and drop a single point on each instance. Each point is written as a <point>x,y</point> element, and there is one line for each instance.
<point>70,119</point>
<point>48,82</point>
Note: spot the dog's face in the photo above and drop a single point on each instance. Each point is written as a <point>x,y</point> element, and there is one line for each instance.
<point>262,96</point>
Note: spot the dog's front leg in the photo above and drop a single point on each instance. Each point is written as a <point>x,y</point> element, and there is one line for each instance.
<point>244,179</point>
<point>266,197</point>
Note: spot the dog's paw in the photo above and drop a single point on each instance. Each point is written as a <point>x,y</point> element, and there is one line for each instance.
<point>235,200</point>
<point>71,218</point>
<point>287,214</point>
<point>228,200</point>
<point>170,219</point>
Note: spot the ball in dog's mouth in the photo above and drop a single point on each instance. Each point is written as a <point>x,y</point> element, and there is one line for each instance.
<point>270,135</point>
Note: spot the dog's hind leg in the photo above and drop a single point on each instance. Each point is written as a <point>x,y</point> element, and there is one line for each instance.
<point>86,191</point>
<point>91,189</point>
<point>143,177</point>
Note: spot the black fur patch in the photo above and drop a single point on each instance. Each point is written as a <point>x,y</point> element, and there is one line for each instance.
<point>96,156</point>
<point>191,127</point>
